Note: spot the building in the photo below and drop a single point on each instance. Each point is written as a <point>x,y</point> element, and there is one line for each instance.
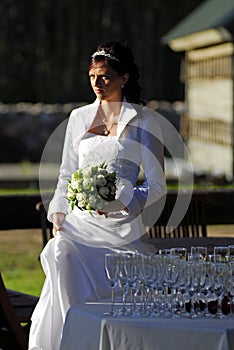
<point>206,36</point>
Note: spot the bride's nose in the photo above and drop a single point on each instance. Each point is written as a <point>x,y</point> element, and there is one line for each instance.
<point>97,81</point>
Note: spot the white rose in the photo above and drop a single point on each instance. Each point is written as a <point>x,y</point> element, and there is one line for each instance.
<point>87,172</point>
<point>74,184</point>
<point>101,180</point>
<point>86,184</point>
<point>92,200</point>
<point>80,197</point>
<point>103,191</point>
<point>81,204</point>
<point>70,194</point>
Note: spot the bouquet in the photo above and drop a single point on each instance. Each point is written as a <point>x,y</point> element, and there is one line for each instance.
<point>91,188</point>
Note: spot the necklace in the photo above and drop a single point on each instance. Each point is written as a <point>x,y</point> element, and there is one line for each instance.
<point>107,130</point>
<point>105,122</point>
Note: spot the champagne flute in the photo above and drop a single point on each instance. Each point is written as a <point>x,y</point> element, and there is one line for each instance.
<point>148,281</point>
<point>220,279</point>
<point>171,275</point>
<point>214,258</point>
<point>131,269</point>
<point>231,286</point>
<point>199,253</point>
<point>165,251</point>
<point>123,282</point>
<point>231,252</point>
<point>180,251</point>
<point>192,286</point>
<point>182,292</point>
<point>111,269</point>
<point>224,251</point>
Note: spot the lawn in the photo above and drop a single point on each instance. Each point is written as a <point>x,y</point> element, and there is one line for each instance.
<point>19,260</point>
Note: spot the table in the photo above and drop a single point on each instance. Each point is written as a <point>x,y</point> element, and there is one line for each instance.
<point>86,328</point>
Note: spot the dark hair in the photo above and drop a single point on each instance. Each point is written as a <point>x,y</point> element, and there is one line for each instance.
<point>123,63</point>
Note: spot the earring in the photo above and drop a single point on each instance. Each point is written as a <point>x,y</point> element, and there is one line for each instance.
<point>122,86</point>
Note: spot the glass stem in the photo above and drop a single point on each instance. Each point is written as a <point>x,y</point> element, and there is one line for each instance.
<point>112,299</point>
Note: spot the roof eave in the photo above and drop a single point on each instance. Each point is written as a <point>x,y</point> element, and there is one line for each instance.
<point>211,36</point>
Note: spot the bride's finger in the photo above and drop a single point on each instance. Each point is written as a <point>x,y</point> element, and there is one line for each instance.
<point>57,228</point>
<point>54,232</point>
<point>102,213</point>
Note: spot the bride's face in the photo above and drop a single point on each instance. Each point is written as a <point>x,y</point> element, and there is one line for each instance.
<point>106,82</point>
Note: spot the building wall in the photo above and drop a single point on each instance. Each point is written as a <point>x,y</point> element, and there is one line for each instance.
<point>209,95</point>
<point>211,99</point>
<point>211,158</point>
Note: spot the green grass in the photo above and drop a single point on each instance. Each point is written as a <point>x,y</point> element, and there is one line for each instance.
<point>24,280</point>
<point>25,190</point>
<point>19,191</point>
<point>170,186</point>
<point>19,260</point>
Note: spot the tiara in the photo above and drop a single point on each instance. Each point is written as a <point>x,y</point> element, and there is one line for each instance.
<point>103,53</point>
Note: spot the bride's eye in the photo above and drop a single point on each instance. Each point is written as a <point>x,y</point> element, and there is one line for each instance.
<point>105,77</point>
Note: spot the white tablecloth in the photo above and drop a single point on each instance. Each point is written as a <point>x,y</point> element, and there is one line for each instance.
<point>86,328</point>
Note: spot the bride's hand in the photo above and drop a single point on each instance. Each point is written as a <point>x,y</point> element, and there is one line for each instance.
<point>57,219</point>
<point>115,206</point>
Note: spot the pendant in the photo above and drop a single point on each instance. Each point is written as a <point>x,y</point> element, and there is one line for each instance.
<point>106,132</point>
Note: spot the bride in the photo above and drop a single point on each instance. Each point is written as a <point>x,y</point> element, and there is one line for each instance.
<point>116,130</point>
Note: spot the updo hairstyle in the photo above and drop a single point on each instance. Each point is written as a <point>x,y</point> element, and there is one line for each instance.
<point>120,58</point>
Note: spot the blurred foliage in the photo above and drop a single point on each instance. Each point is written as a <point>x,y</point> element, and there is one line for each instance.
<point>44,45</point>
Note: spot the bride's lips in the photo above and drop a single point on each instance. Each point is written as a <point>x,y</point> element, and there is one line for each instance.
<point>99,90</point>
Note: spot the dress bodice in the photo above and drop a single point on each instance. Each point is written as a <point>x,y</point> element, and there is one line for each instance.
<point>96,149</point>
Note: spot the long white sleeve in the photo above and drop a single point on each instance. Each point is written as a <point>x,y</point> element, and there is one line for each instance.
<point>69,164</point>
<point>150,145</point>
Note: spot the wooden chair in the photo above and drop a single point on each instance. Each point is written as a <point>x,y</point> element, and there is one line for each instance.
<point>193,223</point>
<point>15,313</point>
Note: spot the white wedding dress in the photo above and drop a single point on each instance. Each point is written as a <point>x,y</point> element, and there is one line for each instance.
<point>73,261</point>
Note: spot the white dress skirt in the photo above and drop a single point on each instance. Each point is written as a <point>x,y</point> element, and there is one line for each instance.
<point>73,261</point>
<point>74,274</point>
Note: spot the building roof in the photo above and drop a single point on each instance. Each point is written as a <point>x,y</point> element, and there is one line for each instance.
<point>210,15</point>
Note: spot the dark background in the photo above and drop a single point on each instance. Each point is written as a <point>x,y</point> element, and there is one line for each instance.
<point>45,46</point>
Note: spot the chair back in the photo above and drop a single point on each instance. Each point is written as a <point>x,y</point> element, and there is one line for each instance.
<point>193,223</point>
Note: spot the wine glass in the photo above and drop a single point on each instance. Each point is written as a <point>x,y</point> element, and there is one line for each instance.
<point>223,251</point>
<point>192,286</point>
<point>123,281</point>
<point>165,251</point>
<point>220,278</point>
<point>146,275</point>
<point>171,274</point>
<point>231,286</point>
<point>156,284</point>
<point>203,273</point>
<point>198,253</point>
<point>111,269</point>
<point>206,287</point>
<point>182,290</point>
<point>231,252</point>
<point>131,269</point>
<point>214,258</point>
<point>180,251</point>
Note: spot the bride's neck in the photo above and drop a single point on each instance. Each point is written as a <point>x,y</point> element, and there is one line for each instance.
<point>111,109</point>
